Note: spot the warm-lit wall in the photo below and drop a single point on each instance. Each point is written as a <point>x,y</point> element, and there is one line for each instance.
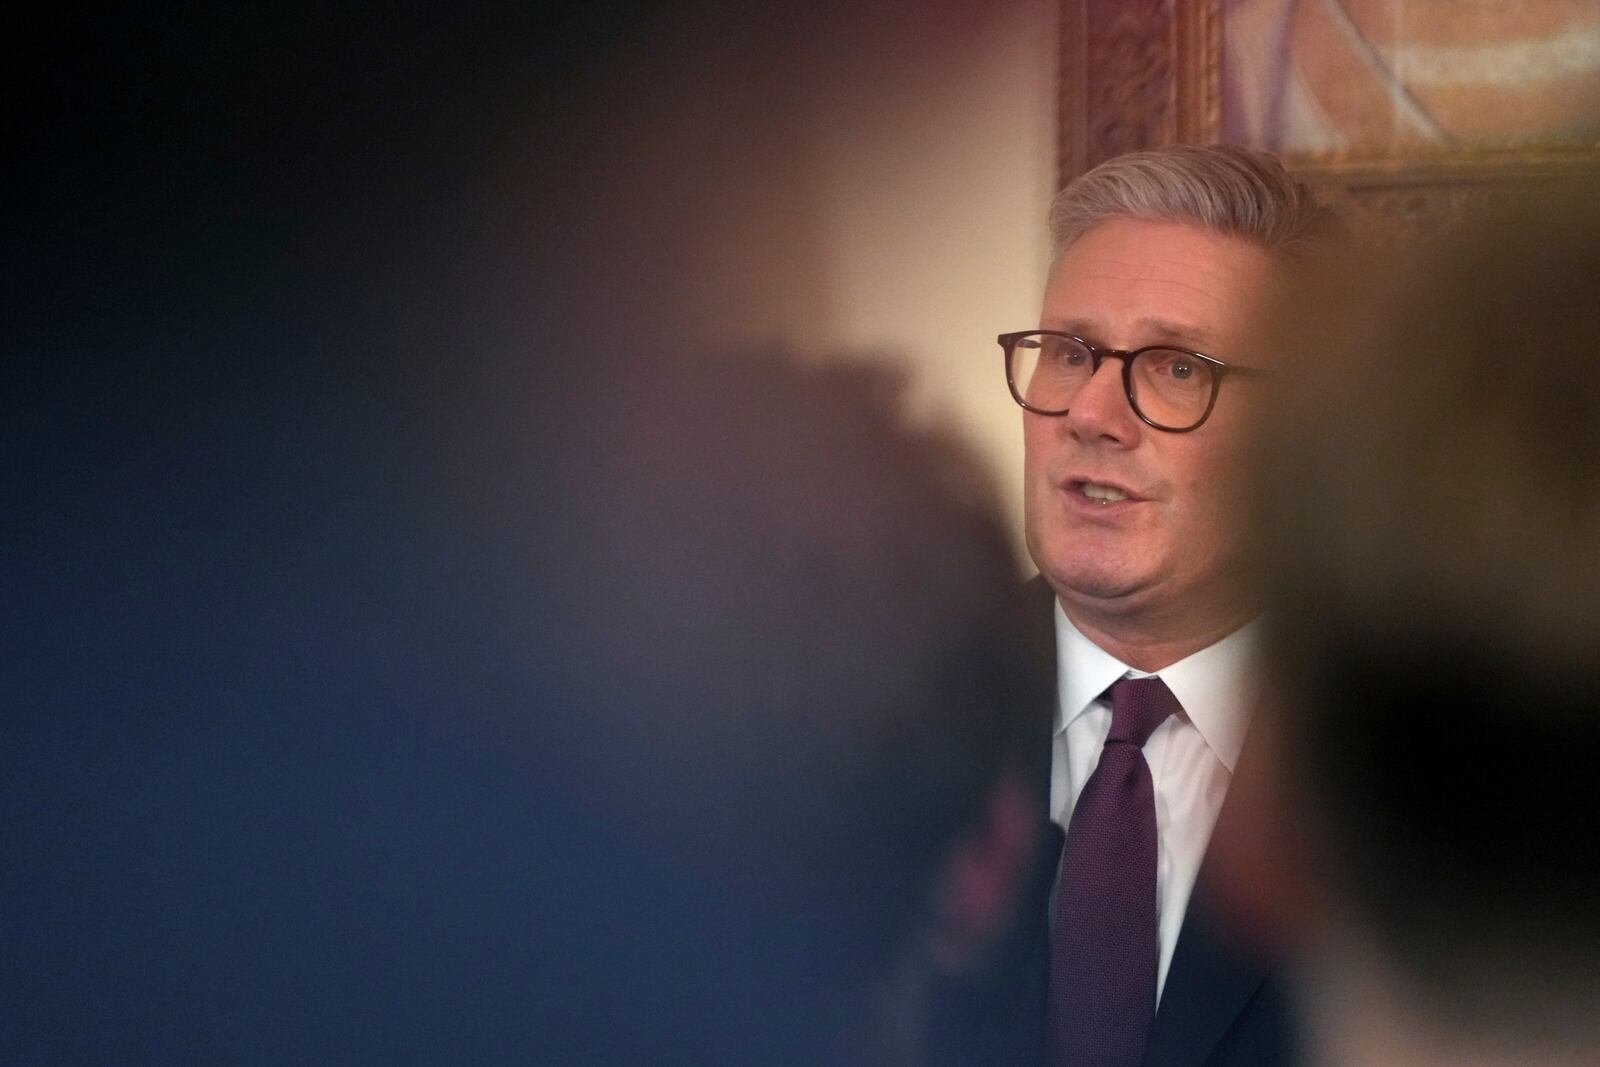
<point>868,178</point>
<point>933,193</point>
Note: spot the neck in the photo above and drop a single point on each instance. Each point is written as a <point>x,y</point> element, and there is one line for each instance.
<point>1145,645</point>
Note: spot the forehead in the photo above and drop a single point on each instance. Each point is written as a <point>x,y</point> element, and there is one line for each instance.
<point>1132,282</point>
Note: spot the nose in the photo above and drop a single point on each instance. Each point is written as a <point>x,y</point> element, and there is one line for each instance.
<point>1101,411</point>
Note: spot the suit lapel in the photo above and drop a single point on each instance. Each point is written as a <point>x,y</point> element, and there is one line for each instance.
<point>1209,984</point>
<point>1040,602</point>
<point>1212,977</point>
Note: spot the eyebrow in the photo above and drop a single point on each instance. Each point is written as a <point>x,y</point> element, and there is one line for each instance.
<point>1161,332</point>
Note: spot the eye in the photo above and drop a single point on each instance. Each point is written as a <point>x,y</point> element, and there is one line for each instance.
<point>1057,351</point>
<point>1177,368</point>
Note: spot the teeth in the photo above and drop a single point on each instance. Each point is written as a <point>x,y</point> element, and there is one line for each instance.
<point>1103,493</point>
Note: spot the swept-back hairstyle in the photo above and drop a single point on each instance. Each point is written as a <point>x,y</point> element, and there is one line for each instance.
<point>1225,189</point>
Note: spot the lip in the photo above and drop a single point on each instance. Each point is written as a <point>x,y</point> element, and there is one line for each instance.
<point>1096,511</point>
<point>1073,484</point>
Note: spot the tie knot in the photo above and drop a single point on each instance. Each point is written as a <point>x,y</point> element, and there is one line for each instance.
<point>1138,706</point>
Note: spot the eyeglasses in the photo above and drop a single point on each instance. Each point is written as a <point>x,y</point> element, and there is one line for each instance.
<point>1172,389</point>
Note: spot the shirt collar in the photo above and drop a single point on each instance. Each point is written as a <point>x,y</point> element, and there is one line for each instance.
<point>1214,685</point>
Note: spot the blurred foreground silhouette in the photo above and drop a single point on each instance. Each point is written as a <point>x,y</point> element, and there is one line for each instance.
<point>1431,524</point>
<point>419,651</point>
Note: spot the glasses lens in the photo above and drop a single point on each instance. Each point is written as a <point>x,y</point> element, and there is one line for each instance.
<point>1172,388</point>
<point>1047,371</point>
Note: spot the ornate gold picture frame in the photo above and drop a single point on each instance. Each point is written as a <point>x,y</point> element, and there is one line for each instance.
<point>1143,73</point>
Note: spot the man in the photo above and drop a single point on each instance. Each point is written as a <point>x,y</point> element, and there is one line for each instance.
<point>1434,599</point>
<point>1136,390</point>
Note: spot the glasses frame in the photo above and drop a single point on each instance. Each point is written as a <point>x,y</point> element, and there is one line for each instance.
<point>1098,355</point>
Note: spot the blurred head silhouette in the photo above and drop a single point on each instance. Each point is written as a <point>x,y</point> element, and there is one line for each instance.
<point>1430,517</point>
<point>796,679</point>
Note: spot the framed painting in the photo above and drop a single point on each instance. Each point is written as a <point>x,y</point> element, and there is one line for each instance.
<point>1409,111</point>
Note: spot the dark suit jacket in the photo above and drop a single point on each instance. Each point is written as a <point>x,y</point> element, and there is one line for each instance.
<point>1222,1005</point>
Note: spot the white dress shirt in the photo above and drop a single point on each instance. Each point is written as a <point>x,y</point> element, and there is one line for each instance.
<point>1191,757</point>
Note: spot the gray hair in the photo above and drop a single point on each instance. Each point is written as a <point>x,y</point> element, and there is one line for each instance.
<point>1221,188</point>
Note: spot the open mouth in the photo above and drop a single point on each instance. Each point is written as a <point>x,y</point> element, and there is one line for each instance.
<point>1100,493</point>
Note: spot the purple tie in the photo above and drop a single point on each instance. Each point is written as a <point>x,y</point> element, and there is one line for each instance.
<point>1104,948</point>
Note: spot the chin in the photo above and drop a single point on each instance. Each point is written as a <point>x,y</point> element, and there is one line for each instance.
<point>1094,584</point>
<point>1073,561</point>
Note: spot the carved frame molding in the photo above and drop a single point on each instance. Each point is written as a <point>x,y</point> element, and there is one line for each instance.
<point>1136,74</point>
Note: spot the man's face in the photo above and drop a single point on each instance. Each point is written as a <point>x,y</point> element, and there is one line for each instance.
<point>1171,547</point>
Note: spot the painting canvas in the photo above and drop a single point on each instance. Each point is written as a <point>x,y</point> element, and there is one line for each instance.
<point>1383,79</point>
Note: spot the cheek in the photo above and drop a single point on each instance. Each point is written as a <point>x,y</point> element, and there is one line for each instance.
<point>1209,510</point>
<point>1195,480</point>
<point>1032,459</point>
<point>1038,442</point>
<point>1038,524</point>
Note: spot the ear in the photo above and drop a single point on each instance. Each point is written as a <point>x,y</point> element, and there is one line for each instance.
<point>983,879</point>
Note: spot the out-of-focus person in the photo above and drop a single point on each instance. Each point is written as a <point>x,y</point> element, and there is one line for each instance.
<point>796,677</point>
<point>350,716</point>
<point>1430,522</point>
<point>1137,387</point>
